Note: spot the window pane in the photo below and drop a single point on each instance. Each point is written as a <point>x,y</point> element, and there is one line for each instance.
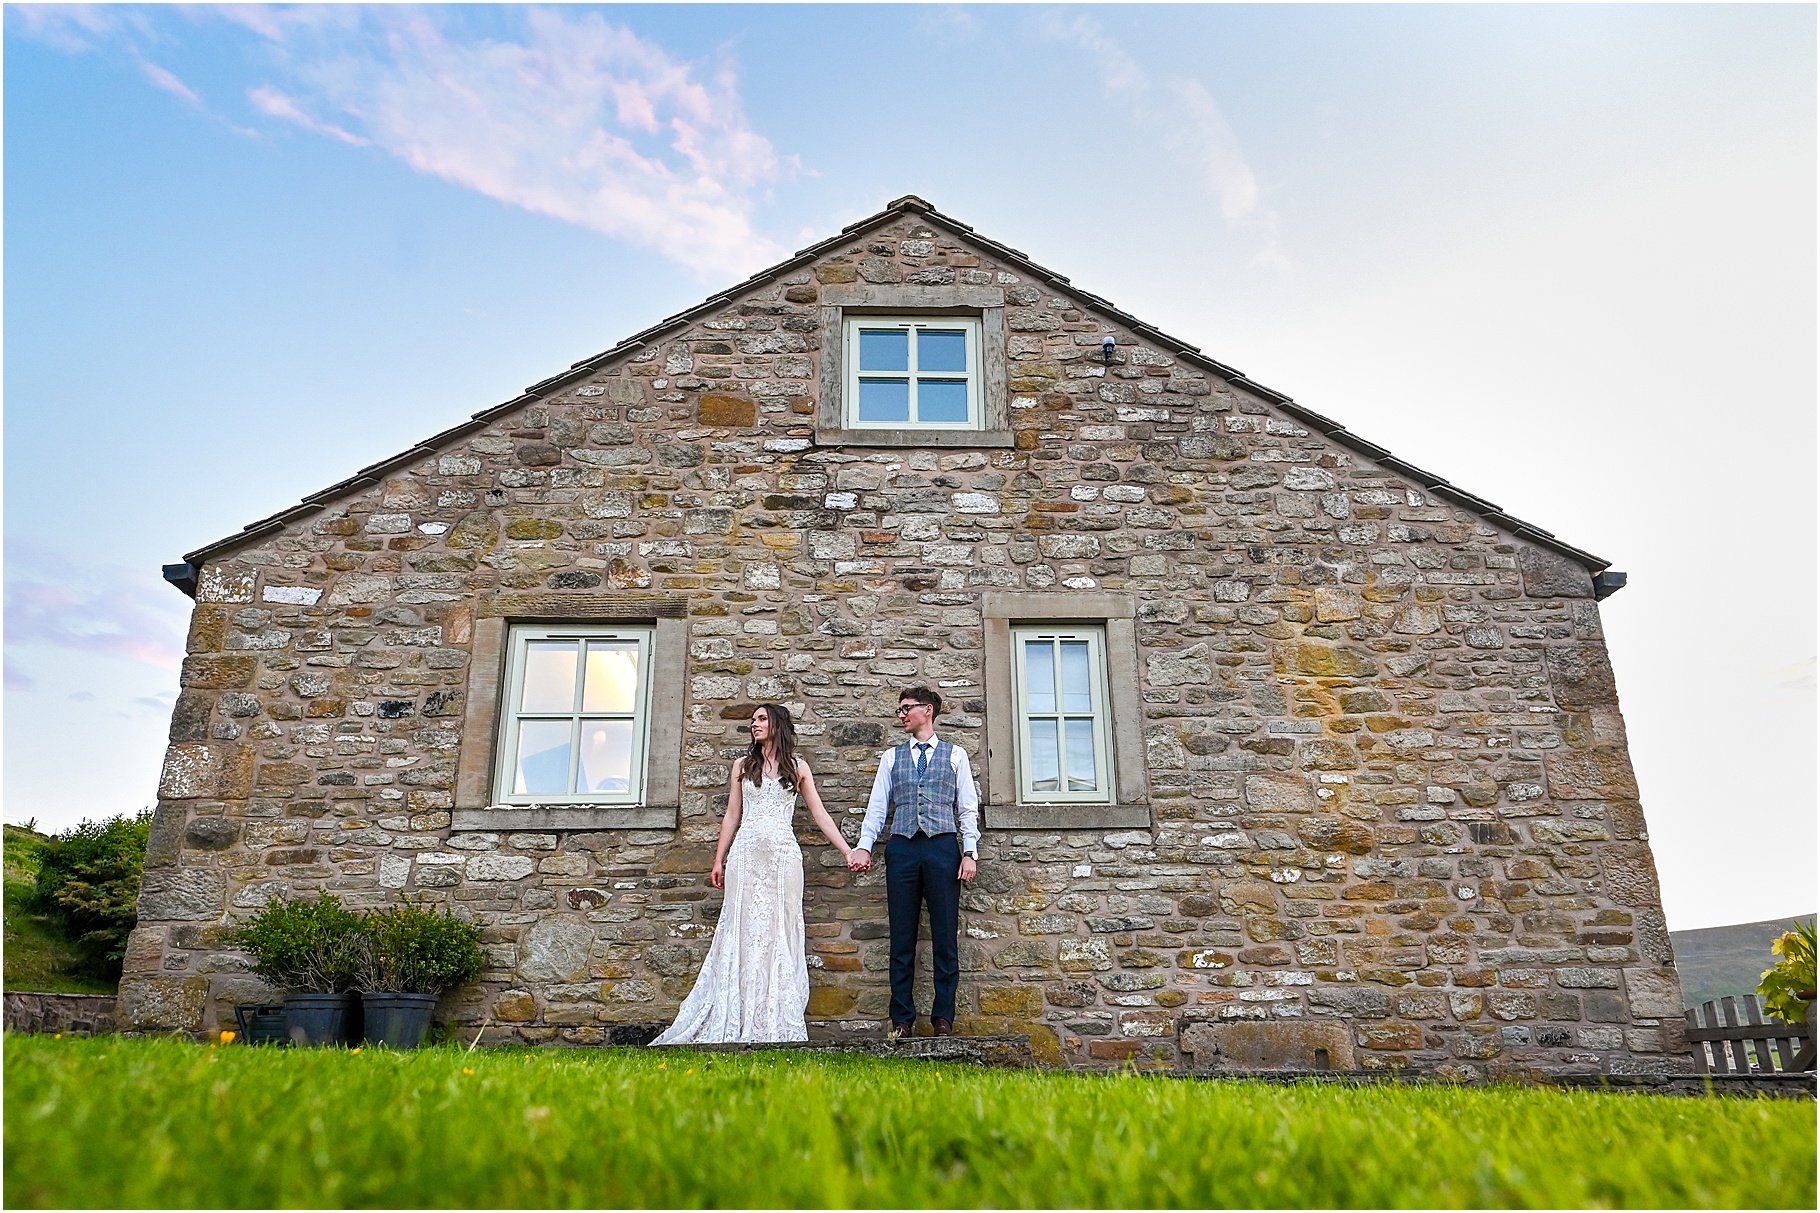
<point>1045,762</point>
<point>612,683</point>
<point>884,400</point>
<point>606,756</point>
<point>549,681</point>
<point>1077,684</point>
<point>1080,756</point>
<point>884,350</point>
<point>941,350</point>
<point>941,400</point>
<point>1039,674</point>
<point>543,758</point>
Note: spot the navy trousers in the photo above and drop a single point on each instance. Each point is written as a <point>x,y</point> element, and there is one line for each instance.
<point>923,870</point>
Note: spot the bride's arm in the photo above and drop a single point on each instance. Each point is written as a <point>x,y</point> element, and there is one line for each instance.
<point>729,826</point>
<point>805,786</point>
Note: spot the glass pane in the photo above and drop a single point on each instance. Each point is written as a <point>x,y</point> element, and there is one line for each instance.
<point>884,350</point>
<point>543,758</point>
<point>884,400</point>
<point>1039,674</point>
<point>1045,762</point>
<point>606,756</point>
<point>549,682</point>
<point>941,350</point>
<point>1077,685</point>
<point>941,400</point>
<point>612,683</point>
<point>1079,734</point>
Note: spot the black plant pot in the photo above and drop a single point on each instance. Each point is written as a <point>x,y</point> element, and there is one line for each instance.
<point>398,1021</point>
<point>314,1020</point>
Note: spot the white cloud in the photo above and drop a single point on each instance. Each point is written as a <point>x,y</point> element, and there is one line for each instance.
<point>572,117</point>
<point>566,114</point>
<point>274,103</point>
<point>170,84</point>
<point>1188,120</point>
<point>73,27</point>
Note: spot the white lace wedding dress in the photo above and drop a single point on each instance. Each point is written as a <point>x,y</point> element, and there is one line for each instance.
<point>754,985</point>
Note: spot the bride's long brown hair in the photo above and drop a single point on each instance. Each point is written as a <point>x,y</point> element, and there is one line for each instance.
<point>783,734</point>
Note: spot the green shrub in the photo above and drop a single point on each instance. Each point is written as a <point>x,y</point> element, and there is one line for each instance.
<point>311,947</point>
<point>412,949</point>
<point>1787,987</point>
<point>88,883</point>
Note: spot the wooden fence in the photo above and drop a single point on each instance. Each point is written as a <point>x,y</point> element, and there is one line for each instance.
<point>1730,1036</point>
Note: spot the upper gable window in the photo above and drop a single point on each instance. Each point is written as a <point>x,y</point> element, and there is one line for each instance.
<point>908,365</point>
<point>913,372</point>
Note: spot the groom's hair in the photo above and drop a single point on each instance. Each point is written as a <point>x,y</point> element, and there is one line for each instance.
<point>922,695</point>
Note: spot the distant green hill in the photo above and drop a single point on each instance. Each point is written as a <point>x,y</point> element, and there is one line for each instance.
<point>1716,961</point>
<point>39,956</point>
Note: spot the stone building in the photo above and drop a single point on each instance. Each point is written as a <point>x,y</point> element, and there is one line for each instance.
<point>1291,753</point>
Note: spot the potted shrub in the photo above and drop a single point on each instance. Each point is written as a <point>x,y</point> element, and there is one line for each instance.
<point>312,950</point>
<point>413,953</point>
<point>1787,987</point>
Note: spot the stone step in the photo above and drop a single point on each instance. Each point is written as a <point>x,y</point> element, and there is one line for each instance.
<point>1012,1052</point>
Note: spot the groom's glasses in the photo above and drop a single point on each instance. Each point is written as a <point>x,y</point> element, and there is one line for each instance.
<point>904,709</point>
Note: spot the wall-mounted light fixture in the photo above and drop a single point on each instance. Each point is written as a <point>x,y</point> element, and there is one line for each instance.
<point>1106,349</point>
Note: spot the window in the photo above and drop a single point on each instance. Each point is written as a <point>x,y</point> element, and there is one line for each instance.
<point>1062,753</point>
<point>560,695</point>
<point>1064,715</point>
<point>907,372</point>
<point>913,365</point>
<point>574,723</point>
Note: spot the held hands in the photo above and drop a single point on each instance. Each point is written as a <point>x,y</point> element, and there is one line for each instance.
<point>859,860</point>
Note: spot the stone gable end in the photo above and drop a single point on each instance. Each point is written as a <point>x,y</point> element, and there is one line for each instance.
<point>1380,801</point>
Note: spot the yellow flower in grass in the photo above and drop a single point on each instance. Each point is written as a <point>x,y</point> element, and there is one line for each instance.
<point>227,1036</point>
<point>355,1049</point>
<point>466,1071</point>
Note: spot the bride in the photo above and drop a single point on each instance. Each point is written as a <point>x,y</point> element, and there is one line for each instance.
<point>754,984</point>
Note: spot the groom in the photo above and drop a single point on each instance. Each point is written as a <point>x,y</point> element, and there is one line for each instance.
<point>925,791</point>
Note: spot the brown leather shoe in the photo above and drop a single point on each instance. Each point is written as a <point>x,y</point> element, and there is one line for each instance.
<point>942,1027</point>
<point>901,1031</point>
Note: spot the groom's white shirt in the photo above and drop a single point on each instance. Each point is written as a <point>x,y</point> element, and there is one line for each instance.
<point>966,801</point>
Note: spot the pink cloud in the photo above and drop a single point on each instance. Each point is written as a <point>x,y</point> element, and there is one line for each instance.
<point>51,603</point>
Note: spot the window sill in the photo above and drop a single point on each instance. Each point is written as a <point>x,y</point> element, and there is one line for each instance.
<point>1065,816</point>
<point>923,438</point>
<point>568,817</point>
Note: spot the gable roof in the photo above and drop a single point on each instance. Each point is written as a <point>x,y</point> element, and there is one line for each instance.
<point>184,575</point>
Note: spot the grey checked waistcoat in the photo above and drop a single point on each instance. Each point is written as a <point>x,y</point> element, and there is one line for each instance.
<point>928,804</point>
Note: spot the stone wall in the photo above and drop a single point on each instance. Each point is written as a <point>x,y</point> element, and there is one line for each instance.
<point>1390,796</point>
<point>75,1014</point>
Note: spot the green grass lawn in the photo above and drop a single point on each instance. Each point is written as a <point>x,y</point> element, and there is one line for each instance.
<point>159,1123</point>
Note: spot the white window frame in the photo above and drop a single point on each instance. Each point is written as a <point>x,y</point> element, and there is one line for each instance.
<point>911,323</point>
<point>1105,776</point>
<point>509,715</point>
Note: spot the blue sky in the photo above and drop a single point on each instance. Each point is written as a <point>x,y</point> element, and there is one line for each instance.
<point>1563,256</point>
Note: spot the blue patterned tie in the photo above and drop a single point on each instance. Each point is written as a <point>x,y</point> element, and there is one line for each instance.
<point>922,759</point>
